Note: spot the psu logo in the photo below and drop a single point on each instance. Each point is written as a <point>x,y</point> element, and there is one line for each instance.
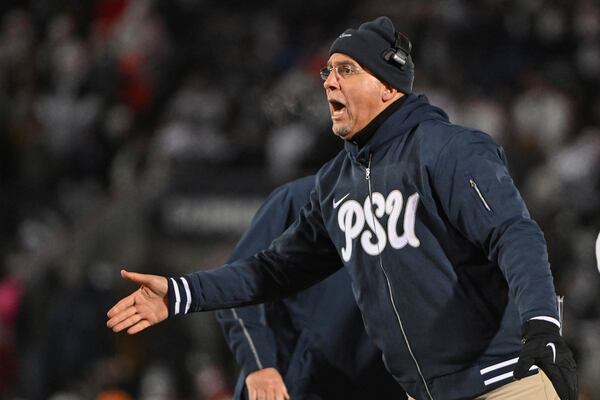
<point>352,218</point>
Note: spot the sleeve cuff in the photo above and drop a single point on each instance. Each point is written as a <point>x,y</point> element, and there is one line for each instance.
<point>180,296</point>
<point>548,319</point>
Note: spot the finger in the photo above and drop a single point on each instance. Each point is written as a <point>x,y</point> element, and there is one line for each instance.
<point>573,387</point>
<point>140,326</point>
<point>134,319</point>
<point>121,305</point>
<point>281,393</point>
<point>146,311</point>
<point>522,367</point>
<point>128,312</point>
<point>251,393</point>
<point>560,382</point>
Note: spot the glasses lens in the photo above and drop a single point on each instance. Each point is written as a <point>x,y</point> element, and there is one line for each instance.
<point>345,70</point>
<point>325,71</point>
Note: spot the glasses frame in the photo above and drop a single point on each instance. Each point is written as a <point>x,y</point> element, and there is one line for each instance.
<point>342,70</point>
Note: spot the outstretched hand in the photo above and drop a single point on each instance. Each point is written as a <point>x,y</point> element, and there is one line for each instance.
<point>145,307</point>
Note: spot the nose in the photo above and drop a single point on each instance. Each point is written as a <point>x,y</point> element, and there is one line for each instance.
<point>331,82</point>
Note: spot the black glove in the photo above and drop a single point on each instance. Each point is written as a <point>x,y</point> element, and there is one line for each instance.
<point>544,347</point>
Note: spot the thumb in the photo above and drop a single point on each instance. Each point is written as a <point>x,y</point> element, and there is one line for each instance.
<point>523,367</point>
<point>142,279</point>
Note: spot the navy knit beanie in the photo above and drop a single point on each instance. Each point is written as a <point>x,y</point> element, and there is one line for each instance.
<point>372,45</point>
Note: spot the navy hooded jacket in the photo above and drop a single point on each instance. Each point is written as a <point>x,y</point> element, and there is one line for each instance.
<point>445,260</point>
<point>315,338</point>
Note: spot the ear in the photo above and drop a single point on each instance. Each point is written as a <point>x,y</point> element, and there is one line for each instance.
<point>388,93</point>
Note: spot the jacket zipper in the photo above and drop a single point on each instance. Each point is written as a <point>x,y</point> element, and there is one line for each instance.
<point>389,286</point>
<point>474,186</point>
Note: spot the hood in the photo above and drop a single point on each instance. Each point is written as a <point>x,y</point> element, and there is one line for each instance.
<point>415,110</point>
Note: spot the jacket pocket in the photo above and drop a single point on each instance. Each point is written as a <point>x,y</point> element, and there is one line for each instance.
<point>479,195</point>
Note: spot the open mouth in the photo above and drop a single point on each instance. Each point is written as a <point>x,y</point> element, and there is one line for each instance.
<point>336,107</point>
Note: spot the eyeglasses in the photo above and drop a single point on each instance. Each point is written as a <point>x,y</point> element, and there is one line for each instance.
<point>341,70</point>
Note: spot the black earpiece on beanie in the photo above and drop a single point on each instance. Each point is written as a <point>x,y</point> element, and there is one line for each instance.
<point>401,50</point>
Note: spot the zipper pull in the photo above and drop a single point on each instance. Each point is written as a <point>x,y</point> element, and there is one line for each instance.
<point>368,173</point>
<point>474,186</point>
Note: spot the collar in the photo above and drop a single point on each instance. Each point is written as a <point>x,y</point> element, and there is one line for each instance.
<point>362,137</point>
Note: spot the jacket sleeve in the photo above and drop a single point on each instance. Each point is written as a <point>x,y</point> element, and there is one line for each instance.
<point>480,199</point>
<point>251,341</point>
<point>245,329</point>
<point>302,256</point>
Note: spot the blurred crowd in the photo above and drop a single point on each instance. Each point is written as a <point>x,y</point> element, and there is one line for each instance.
<point>112,111</point>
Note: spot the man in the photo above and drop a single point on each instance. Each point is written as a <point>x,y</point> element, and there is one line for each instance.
<point>448,269</point>
<point>311,345</point>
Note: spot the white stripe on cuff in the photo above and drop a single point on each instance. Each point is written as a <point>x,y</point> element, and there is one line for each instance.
<point>188,300</point>
<point>498,366</point>
<point>548,319</point>
<point>504,376</point>
<point>177,297</point>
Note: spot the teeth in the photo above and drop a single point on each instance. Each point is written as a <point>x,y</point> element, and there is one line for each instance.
<point>338,112</point>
